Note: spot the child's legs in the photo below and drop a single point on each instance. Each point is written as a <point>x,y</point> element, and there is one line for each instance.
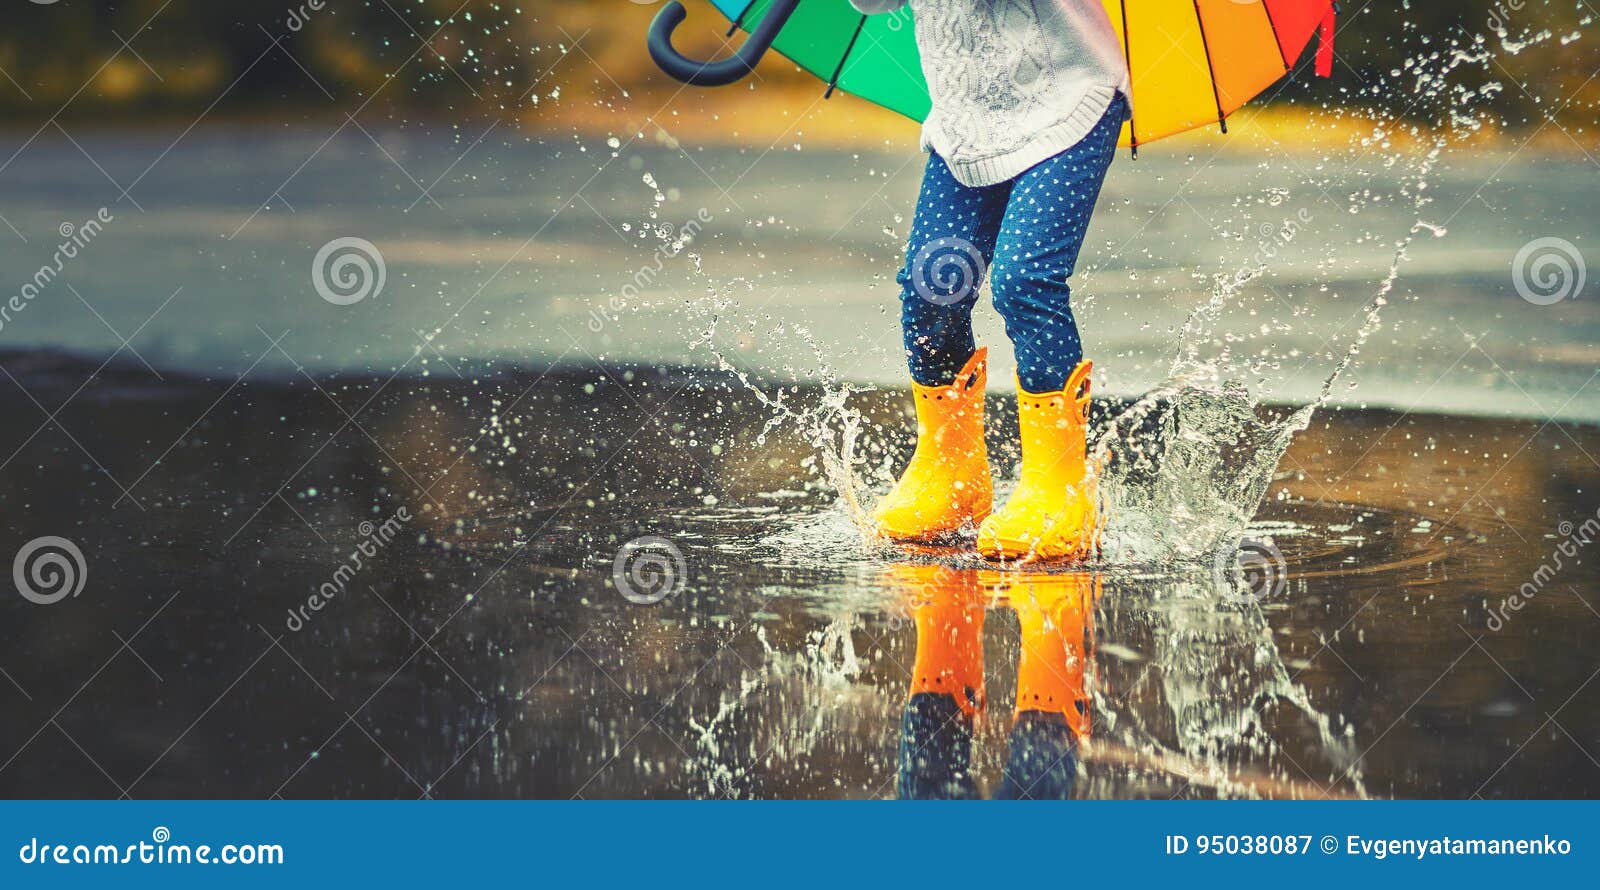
<point>1037,249</point>
<point>951,244</point>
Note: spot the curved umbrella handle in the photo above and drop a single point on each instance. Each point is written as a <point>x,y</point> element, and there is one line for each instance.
<point>723,71</point>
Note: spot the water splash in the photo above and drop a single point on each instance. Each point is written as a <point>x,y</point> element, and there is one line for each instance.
<point>1186,467</point>
<point>1205,697</point>
<point>810,682</point>
<point>829,423</point>
<point>1198,452</point>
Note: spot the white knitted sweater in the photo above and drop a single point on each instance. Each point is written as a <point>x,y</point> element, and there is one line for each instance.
<point>1013,82</point>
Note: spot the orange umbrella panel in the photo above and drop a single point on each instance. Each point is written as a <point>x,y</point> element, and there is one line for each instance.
<point>1194,62</point>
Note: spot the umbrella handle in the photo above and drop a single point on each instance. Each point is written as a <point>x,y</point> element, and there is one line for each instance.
<point>723,71</point>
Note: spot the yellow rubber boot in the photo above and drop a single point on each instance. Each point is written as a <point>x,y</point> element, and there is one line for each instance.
<point>1051,514</point>
<point>1054,612</point>
<point>946,485</point>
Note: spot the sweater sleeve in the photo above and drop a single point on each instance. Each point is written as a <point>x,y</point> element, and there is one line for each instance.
<point>871,7</point>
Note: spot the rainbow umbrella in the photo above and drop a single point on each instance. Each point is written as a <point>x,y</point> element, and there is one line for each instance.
<point>1192,62</point>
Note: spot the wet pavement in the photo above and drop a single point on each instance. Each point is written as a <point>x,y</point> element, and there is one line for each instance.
<point>358,586</point>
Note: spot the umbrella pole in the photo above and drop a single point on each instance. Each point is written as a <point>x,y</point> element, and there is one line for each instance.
<point>839,68</point>
<point>1127,56</point>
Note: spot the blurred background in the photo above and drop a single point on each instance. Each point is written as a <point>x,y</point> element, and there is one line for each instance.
<point>151,59</point>
<point>520,172</point>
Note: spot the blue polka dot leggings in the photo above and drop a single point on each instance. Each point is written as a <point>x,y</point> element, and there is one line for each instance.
<point>1024,236</point>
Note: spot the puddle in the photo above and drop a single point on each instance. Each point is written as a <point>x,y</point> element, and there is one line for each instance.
<point>487,651</point>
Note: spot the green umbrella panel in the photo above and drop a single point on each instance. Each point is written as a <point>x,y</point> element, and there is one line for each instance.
<point>874,57</point>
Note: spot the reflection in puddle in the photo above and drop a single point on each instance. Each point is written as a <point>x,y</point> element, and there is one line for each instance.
<point>1050,718</point>
<point>1187,690</point>
<point>487,652</point>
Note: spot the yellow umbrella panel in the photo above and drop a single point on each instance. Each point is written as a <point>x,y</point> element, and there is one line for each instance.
<point>1194,62</point>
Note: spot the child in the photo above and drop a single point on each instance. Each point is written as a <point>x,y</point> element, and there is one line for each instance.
<point>1029,97</point>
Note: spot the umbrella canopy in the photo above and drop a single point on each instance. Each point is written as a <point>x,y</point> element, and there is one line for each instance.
<point>1192,62</point>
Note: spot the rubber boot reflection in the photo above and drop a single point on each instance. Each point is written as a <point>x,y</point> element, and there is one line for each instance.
<point>946,681</point>
<point>947,687</point>
<point>1052,709</point>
